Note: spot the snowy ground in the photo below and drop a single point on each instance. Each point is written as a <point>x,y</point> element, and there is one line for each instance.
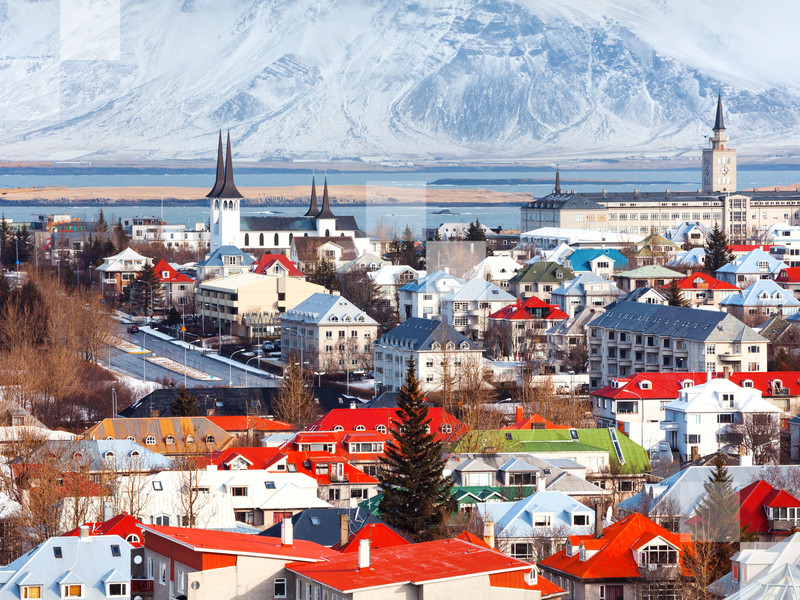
<point>172,365</point>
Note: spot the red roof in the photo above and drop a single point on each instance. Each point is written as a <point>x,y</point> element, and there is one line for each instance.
<point>227,542</point>
<point>789,275</point>
<point>409,563</point>
<point>516,580</point>
<point>341,447</point>
<point>245,422</point>
<point>370,418</point>
<point>701,281</point>
<point>122,525</point>
<point>745,248</point>
<point>524,311</point>
<point>668,385</point>
<point>268,260</point>
<point>257,458</point>
<point>754,498</point>
<point>532,421</point>
<point>614,557</point>
<point>172,276</point>
<point>472,539</point>
<point>379,536</point>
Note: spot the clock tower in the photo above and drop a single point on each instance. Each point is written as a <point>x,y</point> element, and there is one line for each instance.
<point>719,161</point>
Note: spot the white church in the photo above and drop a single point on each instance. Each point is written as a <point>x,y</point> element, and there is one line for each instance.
<point>268,233</point>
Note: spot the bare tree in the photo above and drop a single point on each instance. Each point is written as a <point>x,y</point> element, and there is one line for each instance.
<point>294,402</point>
<point>759,434</point>
<point>193,501</point>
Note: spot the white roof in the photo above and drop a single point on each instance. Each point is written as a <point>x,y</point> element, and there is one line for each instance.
<point>572,236</point>
<point>325,309</point>
<point>234,282</point>
<point>478,289</point>
<point>387,274</point>
<point>500,268</point>
<point>117,262</point>
<point>707,398</point>
<point>516,519</point>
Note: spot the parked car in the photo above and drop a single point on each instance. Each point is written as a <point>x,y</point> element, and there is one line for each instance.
<point>268,346</point>
<point>133,328</point>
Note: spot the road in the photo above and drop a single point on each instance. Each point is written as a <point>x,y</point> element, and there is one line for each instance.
<point>134,364</point>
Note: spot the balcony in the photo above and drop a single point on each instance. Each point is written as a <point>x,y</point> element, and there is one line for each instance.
<point>728,357</point>
<point>141,586</point>
<point>660,571</point>
<point>782,525</point>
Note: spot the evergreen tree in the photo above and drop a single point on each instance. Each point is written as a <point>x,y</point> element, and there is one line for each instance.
<point>325,274</point>
<point>717,253</point>
<point>101,226</point>
<point>358,287</point>
<point>416,496</point>
<point>782,361</point>
<point>184,404</point>
<point>173,317</point>
<point>24,245</point>
<point>147,297</point>
<point>475,232</point>
<point>6,240</point>
<point>675,295</point>
<point>120,235</point>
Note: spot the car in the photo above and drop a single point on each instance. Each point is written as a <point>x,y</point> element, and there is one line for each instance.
<point>133,328</point>
<point>268,346</point>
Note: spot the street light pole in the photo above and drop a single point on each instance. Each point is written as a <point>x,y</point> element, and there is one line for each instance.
<point>184,365</point>
<point>230,366</point>
<point>144,356</point>
<point>247,363</point>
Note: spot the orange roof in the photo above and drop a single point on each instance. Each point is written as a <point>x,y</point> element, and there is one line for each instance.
<point>351,473</point>
<point>472,539</point>
<point>534,420</point>
<point>701,281</point>
<point>379,536</point>
<point>227,542</point>
<point>409,563</point>
<point>614,557</point>
<point>245,422</point>
<point>122,525</point>
<point>186,435</point>
<point>516,580</point>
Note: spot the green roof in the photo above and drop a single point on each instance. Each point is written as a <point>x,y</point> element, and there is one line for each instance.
<point>650,272</point>
<point>545,272</point>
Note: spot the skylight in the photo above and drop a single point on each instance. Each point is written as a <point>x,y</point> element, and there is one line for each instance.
<point>315,520</point>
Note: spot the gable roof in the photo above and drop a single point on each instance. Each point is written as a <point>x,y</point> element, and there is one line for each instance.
<point>749,263</point>
<point>172,276</point>
<point>180,428</point>
<point>268,260</point>
<point>789,275</point>
<point>782,583</point>
<point>578,286</point>
<point>114,455</point>
<point>703,281</point>
<point>478,289</point>
<point>762,292</point>
<point>246,422</point>
<point>214,259</point>
<point>754,498</point>
<point>517,519</point>
<point>306,248</point>
<point>371,418</point>
<point>323,525</point>
<point>428,283</point>
<point>580,259</point>
<point>122,525</point>
<point>420,334</point>
<point>523,311</point>
<point>325,309</point>
<point>650,272</point>
<point>543,272</point>
<point>380,535</point>
<point>117,262</point>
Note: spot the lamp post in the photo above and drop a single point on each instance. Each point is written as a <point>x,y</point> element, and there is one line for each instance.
<point>184,365</point>
<point>113,403</point>
<point>230,366</point>
<point>144,356</point>
<point>247,363</point>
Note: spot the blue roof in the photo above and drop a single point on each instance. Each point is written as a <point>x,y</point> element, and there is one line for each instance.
<point>518,517</point>
<point>749,263</point>
<point>580,258</point>
<point>215,258</point>
<point>762,292</point>
<point>427,283</point>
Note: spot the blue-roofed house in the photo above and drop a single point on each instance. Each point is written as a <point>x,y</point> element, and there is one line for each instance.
<point>537,526</point>
<point>692,233</point>
<point>694,258</point>
<point>224,261</point>
<point>761,300</point>
<point>600,261</point>
<point>423,298</point>
<point>753,266</point>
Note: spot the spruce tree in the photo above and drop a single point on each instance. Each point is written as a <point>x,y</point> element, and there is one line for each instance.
<point>475,232</point>
<point>675,296</point>
<point>416,496</point>
<point>101,226</point>
<point>147,297</point>
<point>717,253</point>
<point>184,404</point>
<point>325,274</point>
<point>121,235</point>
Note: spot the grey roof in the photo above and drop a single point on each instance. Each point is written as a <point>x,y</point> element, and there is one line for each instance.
<point>566,201</point>
<point>420,334</point>
<point>215,258</point>
<point>474,465</point>
<point>325,309</point>
<point>321,525</point>
<point>268,223</point>
<point>668,196</point>
<point>427,283</point>
<point>577,286</point>
<point>122,458</point>
<point>228,187</point>
<point>220,171</point>
<point>676,322</point>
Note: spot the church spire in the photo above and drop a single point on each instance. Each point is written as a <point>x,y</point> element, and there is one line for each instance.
<point>557,189</point>
<point>325,211</point>
<point>313,210</point>
<point>719,124</point>
<point>214,193</point>
<point>228,187</point>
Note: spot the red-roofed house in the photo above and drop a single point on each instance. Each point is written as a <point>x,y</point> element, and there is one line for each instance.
<point>518,330</point>
<point>199,563</point>
<point>452,568</point>
<point>789,279</point>
<point>633,558</point>
<point>381,420</point>
<point>379,536</point>
<point>123,525</point>
<point>178,288</point>
<point>277,265</point>
<point>739,250</point>
<point>699,289</point>
<point>769,512</point>
<point>533,422</point>
<point>239,425</point>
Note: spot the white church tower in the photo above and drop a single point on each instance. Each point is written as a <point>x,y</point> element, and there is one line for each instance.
<point>225,198</point>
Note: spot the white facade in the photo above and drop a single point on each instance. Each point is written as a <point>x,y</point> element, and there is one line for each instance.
<point>467,307</point>
<point>173,236</point>
<point>423,298</point>
<point>708,417</point>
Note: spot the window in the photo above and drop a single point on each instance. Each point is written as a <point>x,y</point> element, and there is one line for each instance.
<point>580,520</point>
<point>115,551</point>
<point>57,552</point>
<point>358,493</point>
<point>72,591</point>
<point>162,520</point>
<point>725,418</point>
<point>625,486</point>
<point>150,440</point>
<point>711,349</point>
<point>446,428</point>
<point>190,439</point>
<point>754,349</point>
<point>660,554</point>
<point>210,439</point>
<point>169,440</point>
<point>522,551</point>
<point>692,438</point>
<point>32,591</point>
<point>360,428</point>
<point>150,568</point>
<point>162,575</point>
<point>280,588</point>
<point>117,589</point>
<point>132,538</point>
<point>541,520</point>
<point>157,486</point>
<point>240,490</point>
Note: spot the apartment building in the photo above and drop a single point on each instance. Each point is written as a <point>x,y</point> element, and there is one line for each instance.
<point>468,307</point>
<point>633,337</point>
<point>423,298</point>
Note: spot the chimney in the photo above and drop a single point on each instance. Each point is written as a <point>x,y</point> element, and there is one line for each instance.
<point>488,533</point>
<point>519,414</point>
<point>726,371</point>
<point>84,532</point>
<point>363,555</point>
<point>154,413</point>
<point>598,521</point>
<point>344,530</point>
<point>287,532</point>
<point>541,482</point>
<point>108,511</point>
<point>745,458</point>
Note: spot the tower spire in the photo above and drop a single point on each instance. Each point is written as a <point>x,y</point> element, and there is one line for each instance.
<point>719,123</point>
<point>214,193</point>
<point>228,187</point>
<point>557,189</point>
<point>325,211</point>
<point>313,210</point>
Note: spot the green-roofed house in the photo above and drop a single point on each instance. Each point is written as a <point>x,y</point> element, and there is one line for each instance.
<point>653,276</point>
<point>539,279</point>
<point>655,249</point>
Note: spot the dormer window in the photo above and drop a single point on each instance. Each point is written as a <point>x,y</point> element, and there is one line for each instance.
<point>687,383</point>
<point>381,429</point>
<point>334,319</point>
<point>190,439</point>
<point>645,385</point>
<point>74,590</point>
<point>150,440</point>
<point>728,401</point>
<point>747,383</point>
<point>130,438</point>
<point>109,455</point>
<point>338,428</point>
<point>210,439</point>
<point>360,428</point>
<point>659,554</point>
<point>446,428</point>
<point>169,440</point>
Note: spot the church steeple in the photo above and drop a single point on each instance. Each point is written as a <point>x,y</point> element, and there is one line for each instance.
<point>325,211</point>
<point>313,210</point>
<point>719,161</point>
<point>228,187</point>
<point>214,193</point>
<point>557,189</point>
<point>719,123</point>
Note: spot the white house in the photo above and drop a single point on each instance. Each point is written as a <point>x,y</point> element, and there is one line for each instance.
<point>423,298</point>
<point>753,266</point>
<point>587,290</point>
<point>390,278</point>
<point>119,270</point>
<point>496,269</point>
<point>712,416</point>
<point>467,307</point>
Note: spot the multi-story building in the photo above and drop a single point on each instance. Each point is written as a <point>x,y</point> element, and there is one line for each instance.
<point>756,264</point>
<point>329,333</point>
<point>423,298</point>
<point>761,300</point>
<point>244,303</point>
<point>519,330</point>
<point>119,270</point>
<point>539,279</point>
<point>633,337</point>
<point>440,353</point>
<point>172,236</point>
<point>468,307</point>
<point>178,288</point>
<point>739,213</point>
<point>587,290</point>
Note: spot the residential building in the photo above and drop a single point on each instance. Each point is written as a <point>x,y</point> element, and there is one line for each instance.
<point>85,566</point>
<point>367,261</point>
<point>223,262</point>
<point>122,525</point>
<point>306,252</point>
<point>634,337</point>
<point>719,415</point>
<point>329,527</point>
<point>244,425</point>
<point>603,262</point>
<point>694,258</point>
<point>423,297</point>
<point>699,289</point>
<point>780,582</point>
<point>633,558</point>
<point>105,456</point>
<point>560,254</point>
<point>519,330</point>
<point>390,278</point>
<point>178,288</point>
<point>468,307</point>
<point>456,231</point>
<point>768,512</point>
<point>328,332</point>
<point>761,300</point>
<point>539,279</point>
<point>783,336</point>
<point>691,234</point>
<point>789,279</point>
<point>177,236</point>
<point>439,353</point>
<point>544,238</point>
<point>568,342</point>
<point>655,249</point>
<point>197,563</point>
<point>452,568</point>
<point>496,270</point>
<point>645,295</point>
<point>119,270</point>
<point>277,265</point>
<point>246,304</point>
<point>653,276</point>
<point>753,266</point>
<point>382,420</point>
<point>586,291</point>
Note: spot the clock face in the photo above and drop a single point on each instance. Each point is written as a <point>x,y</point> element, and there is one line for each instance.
<point>724,170</point>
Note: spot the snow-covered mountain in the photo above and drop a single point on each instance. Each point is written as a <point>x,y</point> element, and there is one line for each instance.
<point>325,79</point>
